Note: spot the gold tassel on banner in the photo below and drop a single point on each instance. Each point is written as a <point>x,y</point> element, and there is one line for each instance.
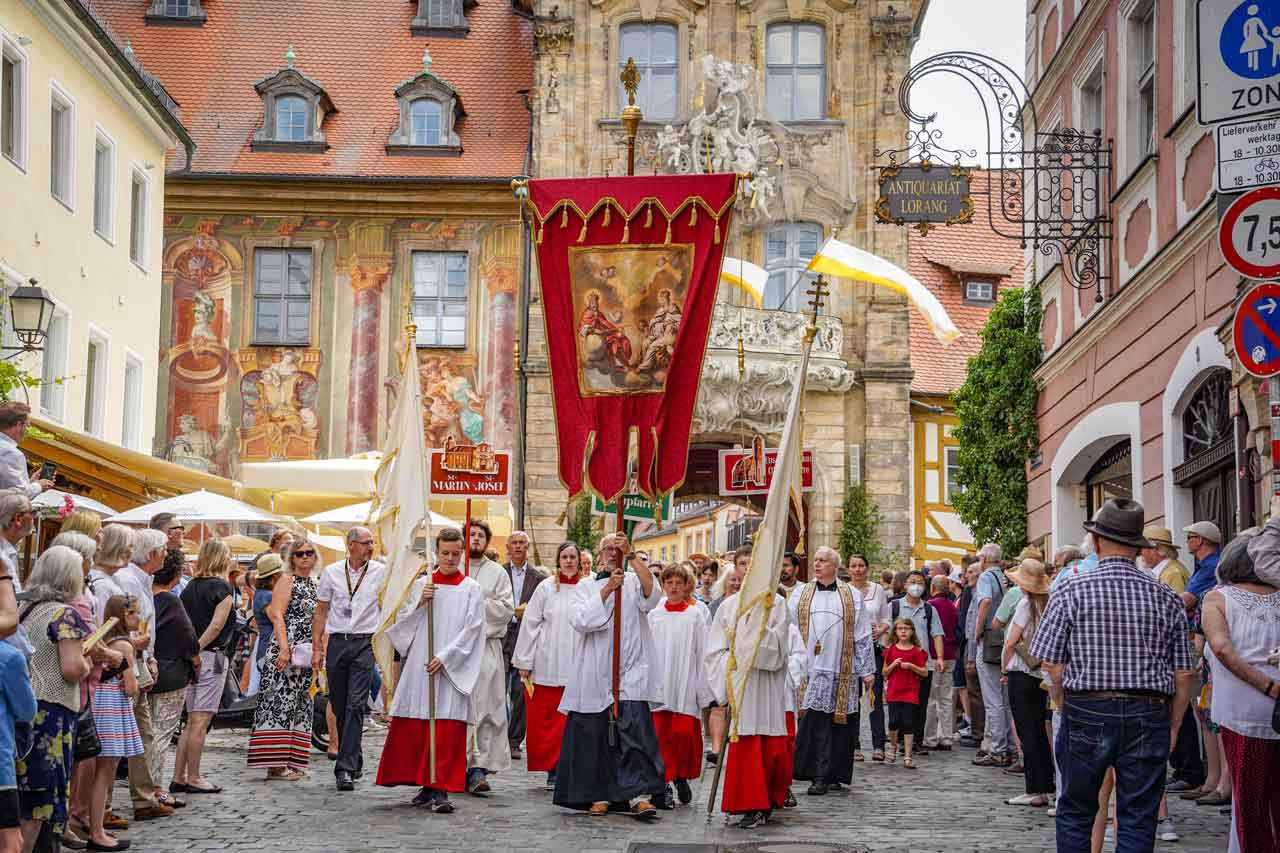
<point>606,216</point>
<point>582,235</point>
<point>626,231</point>
<point>693,215</point>
<point>648,215</point>
<point>564,217</point>
<point>717,231</point>
<point>540,227</point>
<point>668,240</point>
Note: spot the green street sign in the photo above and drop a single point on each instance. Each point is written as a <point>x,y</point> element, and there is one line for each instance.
<point>635,507</point>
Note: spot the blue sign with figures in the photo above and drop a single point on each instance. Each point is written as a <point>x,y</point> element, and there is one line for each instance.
<point>1250,39</point>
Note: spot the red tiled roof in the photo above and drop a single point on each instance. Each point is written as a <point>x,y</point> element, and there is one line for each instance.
<point>934,260</point>
<point>359,53</point>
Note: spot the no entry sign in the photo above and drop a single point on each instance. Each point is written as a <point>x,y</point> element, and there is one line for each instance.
<point>1249,234</point>
<point>1256,330</point>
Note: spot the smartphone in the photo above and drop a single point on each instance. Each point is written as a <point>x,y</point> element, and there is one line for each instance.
<point>47,471</point>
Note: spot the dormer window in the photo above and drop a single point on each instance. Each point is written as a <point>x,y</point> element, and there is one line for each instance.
<point>981,291</point>
<point>294,109</point>
<point>429,111</point>
<point>176,13</point>
<point>441,18</point>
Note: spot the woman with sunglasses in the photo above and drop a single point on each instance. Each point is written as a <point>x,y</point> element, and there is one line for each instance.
<point>281,739</point>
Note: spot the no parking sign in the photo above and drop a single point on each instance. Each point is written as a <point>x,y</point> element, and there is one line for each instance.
<point>1256,330</point>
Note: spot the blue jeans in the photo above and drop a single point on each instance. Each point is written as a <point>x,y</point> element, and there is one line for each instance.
<point>1096,734</point>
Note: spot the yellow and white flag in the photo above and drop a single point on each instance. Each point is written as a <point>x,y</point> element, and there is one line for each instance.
<point>840,259</point>
<point>757,596</point>
<point>746,276</point>
<point>399,513</point>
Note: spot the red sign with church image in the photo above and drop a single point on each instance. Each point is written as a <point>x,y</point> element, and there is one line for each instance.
<point>469,471</point>
<point>749,471</point>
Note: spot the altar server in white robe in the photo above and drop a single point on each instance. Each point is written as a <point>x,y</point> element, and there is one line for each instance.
<point>757,769</point>
<point>797,658</point>
<point>458,617</point>
<point>488,747</point>
<point>680,635</point>
<point>544,658</point>
<point>836,632</point>
<point>607,762</point>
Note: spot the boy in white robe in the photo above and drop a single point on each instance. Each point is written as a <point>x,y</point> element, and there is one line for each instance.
<point>679,630</point>
<point>457,604</point>
<point>488,747</point>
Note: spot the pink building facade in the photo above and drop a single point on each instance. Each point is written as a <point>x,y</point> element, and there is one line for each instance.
<point>1137,391</point>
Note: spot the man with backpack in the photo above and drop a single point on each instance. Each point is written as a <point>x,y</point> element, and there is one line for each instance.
<point>929,629</point>
<point>989,641</point>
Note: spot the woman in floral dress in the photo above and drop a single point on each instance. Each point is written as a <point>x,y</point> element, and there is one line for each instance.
<point>281,739</point>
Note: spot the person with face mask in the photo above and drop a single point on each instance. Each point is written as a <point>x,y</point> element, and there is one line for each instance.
<point>929,629</point>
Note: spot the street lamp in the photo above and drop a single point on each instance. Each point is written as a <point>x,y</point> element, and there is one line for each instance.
<point>31,311</point>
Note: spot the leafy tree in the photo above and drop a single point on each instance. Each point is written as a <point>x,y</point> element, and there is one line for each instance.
<point>860,526</point>
<point>998,432</point>
<point>582,528</point>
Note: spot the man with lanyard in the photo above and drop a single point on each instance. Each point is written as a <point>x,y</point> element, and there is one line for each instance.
<point>1114,643</point>
<point>342,634</point>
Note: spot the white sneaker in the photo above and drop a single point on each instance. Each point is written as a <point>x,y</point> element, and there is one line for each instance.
<point>1052,811</point>
<point>1021,800</point>
<point>1165,831</point>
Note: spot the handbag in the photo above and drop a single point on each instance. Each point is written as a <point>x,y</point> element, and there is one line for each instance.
<point>87,744</point>
<point>993,637</point>
<point>301,655</point>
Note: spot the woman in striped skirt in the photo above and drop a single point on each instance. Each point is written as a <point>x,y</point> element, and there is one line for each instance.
<point>113,715</point>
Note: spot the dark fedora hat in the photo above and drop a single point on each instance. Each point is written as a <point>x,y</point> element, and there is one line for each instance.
<point>1120,520</point>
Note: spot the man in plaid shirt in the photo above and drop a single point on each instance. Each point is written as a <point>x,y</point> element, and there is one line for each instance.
<point>1114,642</point>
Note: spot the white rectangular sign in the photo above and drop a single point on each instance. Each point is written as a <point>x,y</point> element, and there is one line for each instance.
<point>1248,155</point>
<point>1237,59</point>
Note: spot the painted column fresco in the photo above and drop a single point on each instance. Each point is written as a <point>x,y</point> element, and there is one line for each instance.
<point>362,397</point>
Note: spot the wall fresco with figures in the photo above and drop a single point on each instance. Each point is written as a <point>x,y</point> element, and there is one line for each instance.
<point>230,396</point>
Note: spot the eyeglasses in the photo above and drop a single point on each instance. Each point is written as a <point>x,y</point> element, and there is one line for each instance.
<point>368,543</point>
<point>304,553</point>
<point>177,527</point>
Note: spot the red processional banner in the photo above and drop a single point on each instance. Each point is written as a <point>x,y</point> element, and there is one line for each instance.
<point>629,268</point>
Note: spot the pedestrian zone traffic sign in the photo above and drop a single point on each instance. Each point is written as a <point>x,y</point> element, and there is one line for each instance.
<point>1256,330</point>
<point>1237,59</point>
<point>1249,234</point>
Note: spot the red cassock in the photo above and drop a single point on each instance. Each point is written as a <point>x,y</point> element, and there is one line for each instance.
<point>406,755</point>
<point>546,727</point>
<point>757,773</point>
<point>680,737</point>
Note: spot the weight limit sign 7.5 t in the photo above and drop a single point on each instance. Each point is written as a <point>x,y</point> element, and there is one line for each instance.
<point>1249,234</point>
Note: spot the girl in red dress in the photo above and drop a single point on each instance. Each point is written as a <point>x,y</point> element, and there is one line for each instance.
<point>904,663</point>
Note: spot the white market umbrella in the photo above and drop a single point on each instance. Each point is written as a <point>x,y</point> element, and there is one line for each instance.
<point>352,514</point>
<point>318,476</point>
<point>201,506</point>
<point>54,499</point>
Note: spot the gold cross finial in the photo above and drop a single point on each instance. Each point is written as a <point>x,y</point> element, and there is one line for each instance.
<point>631,81</point>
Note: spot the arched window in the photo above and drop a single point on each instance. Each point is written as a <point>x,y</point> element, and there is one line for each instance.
<point>1110,477</point>
<point>796,72</point>
<point>788,248</point>
<point>653,47</point>
<point>291,119</point>
<point>424,122</point>
<point>1209,450</point>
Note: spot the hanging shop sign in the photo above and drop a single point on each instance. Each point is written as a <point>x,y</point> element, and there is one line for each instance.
<point>924,194</point>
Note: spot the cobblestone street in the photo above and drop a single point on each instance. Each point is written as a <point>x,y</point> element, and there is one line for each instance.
<point>966,813</point>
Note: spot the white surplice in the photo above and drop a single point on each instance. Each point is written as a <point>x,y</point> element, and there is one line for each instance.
<point>826,643</point>
<point>545,644</point>
<point>796,658</point>
<point>458,616</point>
<point>590,687</point>
<point>487,742</point>
<point>762,710</point>
<point>680,640</point>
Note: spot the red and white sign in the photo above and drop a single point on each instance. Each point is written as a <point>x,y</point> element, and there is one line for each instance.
<point>1249,234</point>
<point>749,471</point>
<point>469,471</point>
<point>1255,330</point>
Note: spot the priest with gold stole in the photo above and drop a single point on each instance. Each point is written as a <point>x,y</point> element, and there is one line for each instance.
<point>836,633</point>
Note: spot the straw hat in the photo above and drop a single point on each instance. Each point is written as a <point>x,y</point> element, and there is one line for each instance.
<point>269,564</point>
<point>1030,577</point>
<point>1160,538</point>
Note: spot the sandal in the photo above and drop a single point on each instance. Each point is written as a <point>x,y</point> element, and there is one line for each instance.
<point>908,764</point>
<point>858,756</point>
<point>286,776</point>
<point>891,757</point>
<point>878,755</point>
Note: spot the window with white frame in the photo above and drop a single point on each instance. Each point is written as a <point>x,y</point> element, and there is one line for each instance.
<point>61,148</point>
<point>1187,53</point>
<point>13,102</point>
<point>1092,120</point>
<point>440,298</point>
<point>979,290</point>
<point>291,119</point>
<point>653,47</point>
<point>796,72</point>
<point>95,385</point>
<point>788,248</point>
<point>53,367</point>
<point>104,169</point>
<point>424,122</point>
<point>952,472</point>
<point>138,195</point>
<point>131,423</point>
<point>1142,94</point>
<point>282,297</point>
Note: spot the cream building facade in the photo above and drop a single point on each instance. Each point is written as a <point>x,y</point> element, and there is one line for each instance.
<point>84,134</point>
<point>801,93</point>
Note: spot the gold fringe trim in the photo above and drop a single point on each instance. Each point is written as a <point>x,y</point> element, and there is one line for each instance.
<point>609,201</point>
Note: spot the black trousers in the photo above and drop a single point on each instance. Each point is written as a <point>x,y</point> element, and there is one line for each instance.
<point>922,708</point>
<point>349,666</point>
<point>515,707</point>
<point>1030,708</point>
<point>1186,759</point>
<point>877,707</point>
